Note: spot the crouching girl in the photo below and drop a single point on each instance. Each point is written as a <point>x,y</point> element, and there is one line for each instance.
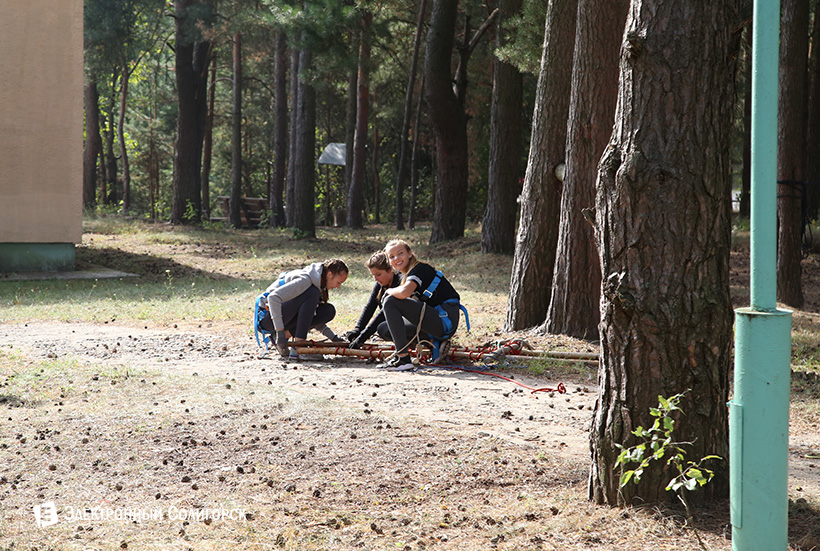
<point>298,302</point>
<point>385,278</point>
<point>425,302</point>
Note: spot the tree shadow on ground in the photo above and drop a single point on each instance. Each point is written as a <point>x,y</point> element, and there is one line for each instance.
<point>804,525</point>
<point>714,518</point>
<point>149,267</point>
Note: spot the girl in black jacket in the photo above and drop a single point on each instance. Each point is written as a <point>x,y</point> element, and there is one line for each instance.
<point>385,278</point>
<point>424,302</point>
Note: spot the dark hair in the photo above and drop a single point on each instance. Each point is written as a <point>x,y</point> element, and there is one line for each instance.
<point>379,262</point>
<point>334,266</point>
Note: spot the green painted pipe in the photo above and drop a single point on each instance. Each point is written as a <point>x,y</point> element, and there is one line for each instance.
<point>759,410</point>
<point>765,61</point>
<point>759,431</point>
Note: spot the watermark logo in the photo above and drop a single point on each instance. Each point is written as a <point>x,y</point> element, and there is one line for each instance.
<point>45,514</point>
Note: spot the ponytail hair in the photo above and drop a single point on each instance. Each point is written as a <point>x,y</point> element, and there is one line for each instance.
<point>334,266</point>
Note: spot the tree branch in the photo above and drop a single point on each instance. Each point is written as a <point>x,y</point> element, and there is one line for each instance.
<point>480,32</point>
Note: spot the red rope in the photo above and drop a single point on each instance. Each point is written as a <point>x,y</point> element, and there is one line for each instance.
<point>515,347</point>
<point>560,389</point>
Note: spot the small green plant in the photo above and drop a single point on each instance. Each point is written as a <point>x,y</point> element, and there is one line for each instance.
<point>657,443</point>
<point>299,233</point>
<point>191,213</point>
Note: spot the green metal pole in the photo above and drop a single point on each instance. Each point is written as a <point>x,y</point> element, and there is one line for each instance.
<point>759,410</point>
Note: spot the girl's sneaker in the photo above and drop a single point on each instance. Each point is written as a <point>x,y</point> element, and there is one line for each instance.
<point>295,356</point>
<point>399,363</point>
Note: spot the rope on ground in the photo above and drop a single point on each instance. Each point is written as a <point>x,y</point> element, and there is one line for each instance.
<point>560,389</point>
<point>489,354</point>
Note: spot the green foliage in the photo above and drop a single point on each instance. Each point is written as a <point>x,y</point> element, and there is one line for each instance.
<point>525,34</point>
<point>657,443</point>
<point>191,213</point>
<point>135,38</point>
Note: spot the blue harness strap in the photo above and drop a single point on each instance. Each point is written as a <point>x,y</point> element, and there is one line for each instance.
<point>258,315</point>
<point>428,292</point>
<point>445,317</point>
<point>259,311</point>
<point>447,323</point>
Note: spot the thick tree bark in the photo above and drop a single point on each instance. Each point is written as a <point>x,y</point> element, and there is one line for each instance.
<point>290,192</point>
<point>280,134</point>
<point>537,236</point>
<point>93,144</point>
<point>663,228</point>
<point>191,64</point>
<point>449,124</point>
<point>236,135</point>
<point>791,148</point>
<point>355,193</point>
<point>304,173</point>
<point>576,282</point>
<point>503,183</point>
<point>404,149</point>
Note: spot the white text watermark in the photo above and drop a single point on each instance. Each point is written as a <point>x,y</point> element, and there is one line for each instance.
<point>47,514</point>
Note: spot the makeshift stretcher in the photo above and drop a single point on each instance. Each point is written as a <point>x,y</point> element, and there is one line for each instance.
<point>487,353</point>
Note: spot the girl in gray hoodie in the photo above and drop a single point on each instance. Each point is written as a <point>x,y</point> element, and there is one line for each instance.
<point>298,302</point>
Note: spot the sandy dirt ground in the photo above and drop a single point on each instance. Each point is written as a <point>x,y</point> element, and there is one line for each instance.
<point>331,454</point>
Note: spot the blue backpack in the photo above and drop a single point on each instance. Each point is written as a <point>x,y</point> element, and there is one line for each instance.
<point>260,310</point>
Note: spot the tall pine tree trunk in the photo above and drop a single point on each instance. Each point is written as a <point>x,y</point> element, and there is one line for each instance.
<point>404,149</point>
<point>503,183</point>
<point>290,191</point>
<point>663,228</point>
<point>355,193</point>
<point>813,119</point>
<point>374,166</point>
<point>574,306</point>
<point>208,143</point>
<point>745,206</point>
<point>236,135</point>
<point>304,174</point>
<point>191,63</point>
<point>126,165</point>
<point>111,169</point>
<point>93,144</point>
<point>280,134</point>
<point>535,244</point>
<point>449,124</point>
<point>350,125</point>
<point>791,148</point>
<point>414,162</point>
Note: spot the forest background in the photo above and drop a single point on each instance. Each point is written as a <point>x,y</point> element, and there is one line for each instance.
<point>541,120</point>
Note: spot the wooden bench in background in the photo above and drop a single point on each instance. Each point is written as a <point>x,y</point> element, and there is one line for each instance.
<point>250,210</point>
